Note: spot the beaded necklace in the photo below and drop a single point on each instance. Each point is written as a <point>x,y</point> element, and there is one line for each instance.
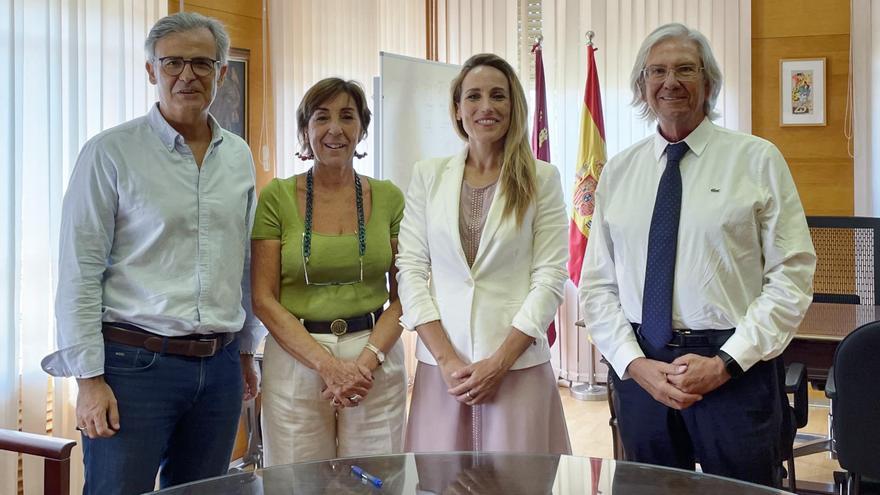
<point>359,201</point>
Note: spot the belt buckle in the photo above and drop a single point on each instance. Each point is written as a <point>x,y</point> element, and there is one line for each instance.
<point>213,346</point>
<point>339,327</point>
<point>678,338</point>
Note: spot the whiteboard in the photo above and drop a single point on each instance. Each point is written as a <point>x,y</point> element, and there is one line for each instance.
<point>414,121</point>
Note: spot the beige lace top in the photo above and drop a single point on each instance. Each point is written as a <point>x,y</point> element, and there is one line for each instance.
<point>472,212</point>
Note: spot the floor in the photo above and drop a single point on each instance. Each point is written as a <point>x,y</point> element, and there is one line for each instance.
<point>591,436</point>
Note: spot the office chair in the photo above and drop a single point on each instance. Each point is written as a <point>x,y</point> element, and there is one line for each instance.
<point>855,393</point>
<point>846,250</point>
<point>54,451</point>
<point>252,457</point>
<point>795,413</point>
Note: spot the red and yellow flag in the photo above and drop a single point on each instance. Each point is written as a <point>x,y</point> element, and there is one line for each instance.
<point>591,159</point>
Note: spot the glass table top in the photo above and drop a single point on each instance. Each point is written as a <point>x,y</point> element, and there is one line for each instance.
<point>470,473</point>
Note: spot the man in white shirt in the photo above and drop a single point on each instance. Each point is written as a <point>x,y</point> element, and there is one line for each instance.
<point>153,301</point>
<point>697,274</point>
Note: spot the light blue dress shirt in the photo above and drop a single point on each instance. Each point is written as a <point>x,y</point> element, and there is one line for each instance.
<point>149,238</point>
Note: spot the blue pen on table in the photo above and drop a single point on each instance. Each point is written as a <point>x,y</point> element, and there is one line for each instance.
<point>359,471</point>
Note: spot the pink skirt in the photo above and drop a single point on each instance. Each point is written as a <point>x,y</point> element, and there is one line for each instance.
<point>524,416</point>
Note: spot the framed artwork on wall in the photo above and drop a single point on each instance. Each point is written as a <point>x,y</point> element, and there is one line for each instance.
<point>231,104</point>
<point>802,91</point>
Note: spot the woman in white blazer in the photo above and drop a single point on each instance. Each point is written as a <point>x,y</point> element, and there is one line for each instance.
<point>482,257</point>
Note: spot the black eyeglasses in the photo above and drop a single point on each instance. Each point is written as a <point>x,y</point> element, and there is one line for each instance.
<point>687,72</point>
<point>201,66</point>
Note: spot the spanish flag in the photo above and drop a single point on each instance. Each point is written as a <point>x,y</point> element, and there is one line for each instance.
<point>591,159</point>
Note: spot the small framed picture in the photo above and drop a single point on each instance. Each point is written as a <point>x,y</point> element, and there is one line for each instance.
<point>230,106</point>
<point>802,91</point>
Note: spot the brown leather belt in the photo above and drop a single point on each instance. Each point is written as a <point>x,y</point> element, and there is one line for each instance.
<point>200,346</point>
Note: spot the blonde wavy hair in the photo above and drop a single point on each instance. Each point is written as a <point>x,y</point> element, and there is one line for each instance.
<point>517,181</point>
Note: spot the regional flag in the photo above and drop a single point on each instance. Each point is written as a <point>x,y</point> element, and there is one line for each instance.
<point>540,133</point>
<point>591,159</point>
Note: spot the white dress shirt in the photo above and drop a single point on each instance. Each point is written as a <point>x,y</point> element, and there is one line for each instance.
<point>149,238</point>
<point>744,259</point>
<point>517,276</point>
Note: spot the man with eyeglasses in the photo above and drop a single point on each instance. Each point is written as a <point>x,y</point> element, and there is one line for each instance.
<point>697,274</point>
<point>153,302</point>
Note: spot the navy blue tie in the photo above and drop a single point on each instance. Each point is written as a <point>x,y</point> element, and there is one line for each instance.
<point>656,326</point>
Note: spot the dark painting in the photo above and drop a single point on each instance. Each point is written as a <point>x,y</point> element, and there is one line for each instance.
<point>230,104</point>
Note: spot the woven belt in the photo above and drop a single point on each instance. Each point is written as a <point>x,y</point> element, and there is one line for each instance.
<point>342,326</point>
<point>200,346</point>
<point>695,338</point>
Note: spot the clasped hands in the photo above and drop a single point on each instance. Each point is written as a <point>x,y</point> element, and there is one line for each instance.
<point>346,382</point>
<point>474,383</point>
<point>682,382</point>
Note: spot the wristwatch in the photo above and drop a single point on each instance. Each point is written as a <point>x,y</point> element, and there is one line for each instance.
<point>380,356</point>
<point>733,368</point>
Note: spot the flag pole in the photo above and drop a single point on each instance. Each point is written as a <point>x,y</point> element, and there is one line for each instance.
<point>540,141</point>
<point>591,390</point>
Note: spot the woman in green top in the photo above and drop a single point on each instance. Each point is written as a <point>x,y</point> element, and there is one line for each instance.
<point>323,245</point>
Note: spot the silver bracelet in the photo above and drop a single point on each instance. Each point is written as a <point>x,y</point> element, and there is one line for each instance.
<point>380,356</point>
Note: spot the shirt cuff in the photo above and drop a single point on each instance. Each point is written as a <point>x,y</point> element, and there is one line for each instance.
<point>625,354</point>
<point>250,337</point>
<point>78,361</point>
<point>526,326</point>
<point>742,351</point>
<point>411,319</point>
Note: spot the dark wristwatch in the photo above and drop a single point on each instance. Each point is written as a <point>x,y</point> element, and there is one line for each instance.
<point>733,368</point>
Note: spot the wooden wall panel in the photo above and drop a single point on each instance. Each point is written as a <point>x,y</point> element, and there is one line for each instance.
<point>784,18</point>
<point>247,8</point>
<point>826,188</point>
<point>243,21</point>
<point>818,156</point>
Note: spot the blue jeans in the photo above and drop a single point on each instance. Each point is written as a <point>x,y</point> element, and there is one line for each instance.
<point>177,413</point>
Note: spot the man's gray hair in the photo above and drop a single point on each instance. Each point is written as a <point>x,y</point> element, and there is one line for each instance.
<point>187,21</point>
<point>711,70</point>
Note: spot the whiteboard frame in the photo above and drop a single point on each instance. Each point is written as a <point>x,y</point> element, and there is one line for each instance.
<point>381,168</point>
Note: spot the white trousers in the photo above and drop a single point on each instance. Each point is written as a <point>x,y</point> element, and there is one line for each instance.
<point>299,425</point>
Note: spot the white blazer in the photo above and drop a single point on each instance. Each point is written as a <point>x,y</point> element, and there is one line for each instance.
<point>517,277</point>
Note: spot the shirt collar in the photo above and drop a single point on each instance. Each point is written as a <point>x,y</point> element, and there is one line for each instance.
<point>169,135</point>
<point>697,140</point>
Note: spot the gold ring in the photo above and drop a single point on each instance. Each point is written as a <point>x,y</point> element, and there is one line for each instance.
<point>469,396</point>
